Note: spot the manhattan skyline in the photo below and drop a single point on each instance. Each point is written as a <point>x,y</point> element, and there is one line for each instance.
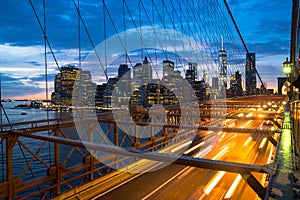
<point>21,43</point>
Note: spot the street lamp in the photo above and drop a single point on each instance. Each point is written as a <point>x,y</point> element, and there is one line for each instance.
<point>287,69</point>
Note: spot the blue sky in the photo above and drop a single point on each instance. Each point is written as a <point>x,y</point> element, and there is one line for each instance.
<point>265,26</point>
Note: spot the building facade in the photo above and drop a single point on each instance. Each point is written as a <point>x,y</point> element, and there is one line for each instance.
<point>250,73</point>
<point>63,85</point>
<point>223,68</point>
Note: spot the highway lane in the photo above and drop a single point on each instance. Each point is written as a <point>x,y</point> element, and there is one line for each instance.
<point>197,191</point>
<point>179,182</point>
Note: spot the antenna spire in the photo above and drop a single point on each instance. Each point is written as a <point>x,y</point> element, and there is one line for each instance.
<point>222,43</point>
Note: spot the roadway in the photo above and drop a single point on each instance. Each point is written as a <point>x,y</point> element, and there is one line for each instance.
<point>184,182</point>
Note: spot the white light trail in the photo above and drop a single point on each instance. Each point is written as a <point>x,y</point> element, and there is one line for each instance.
<point>212,184</point>
<point>194,147</point>
<point>181,146</point>
<point>220,154</point>
<point>262,143</point>
<point>248,141</point>
<point>233,187</point>
<point>204,152</point>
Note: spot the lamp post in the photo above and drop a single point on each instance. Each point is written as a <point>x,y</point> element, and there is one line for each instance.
<point>287,69</point>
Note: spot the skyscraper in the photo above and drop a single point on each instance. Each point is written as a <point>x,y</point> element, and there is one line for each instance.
<point>215,82</point>
<point>250,73</point>
<point>122,70</point>
<point>138,73</point>
<point>193,66</point>
<point>73,84</point>
<point>223,67</point>
<point>168,68</point>
<point>190,76</point>
<point>238,79</point>
<point>124,85</point>
<point>63,85</point>
<point>233,85</point>
<point>147,71</point>
<point>205,77</point>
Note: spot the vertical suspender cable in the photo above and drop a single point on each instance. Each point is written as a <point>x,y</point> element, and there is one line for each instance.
<point>105,55</point>
<point>124,27</point>
<point>46,76</point>
<point>140,20</point>
<point>165,30</point>
<point>154,38</point>
<point>79,35</point>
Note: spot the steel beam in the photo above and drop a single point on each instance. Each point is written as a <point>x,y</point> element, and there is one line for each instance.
<point>183,160</point>
<point>243,169</point>
<point>254,184</point>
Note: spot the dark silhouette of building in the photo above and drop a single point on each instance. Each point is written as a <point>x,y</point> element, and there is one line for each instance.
<point>239,88</point>
<point>215,82</point>
<point>122,70</point>
<point>190,76</point>
<point>250,73</point>
<point>107,94</point>
<point>280,83</point>
<point>99,95</point>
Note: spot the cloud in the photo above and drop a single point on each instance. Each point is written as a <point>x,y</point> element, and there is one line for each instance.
<point>12,87</point>
<point>23,68</point>
<point>264,25</point>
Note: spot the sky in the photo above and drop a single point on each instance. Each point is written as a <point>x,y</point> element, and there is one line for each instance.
<point>265,26</point>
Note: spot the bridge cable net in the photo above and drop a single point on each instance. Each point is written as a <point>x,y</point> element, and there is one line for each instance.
<point>184,34</point>
<point>158,42</point>
<point>178,31</point>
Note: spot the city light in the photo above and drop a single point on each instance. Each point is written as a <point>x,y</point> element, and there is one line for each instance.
<point>287,67</point>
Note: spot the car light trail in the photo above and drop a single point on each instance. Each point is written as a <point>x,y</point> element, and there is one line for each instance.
<point>181,146</point>
<point>194,147</point>
<point>223,135</point>
<point>247,124</point>
<point>248,141</point>
<point>204,152</point>
<point>212,184</point>
<point>262,143</point>
<point>233,187</point>
<point>270,155</point>
<point>220,154</point>
<point>249,115</point>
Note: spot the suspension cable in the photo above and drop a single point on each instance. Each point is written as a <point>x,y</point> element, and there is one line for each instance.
<point>90,39</point>
<point>44,34</point>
